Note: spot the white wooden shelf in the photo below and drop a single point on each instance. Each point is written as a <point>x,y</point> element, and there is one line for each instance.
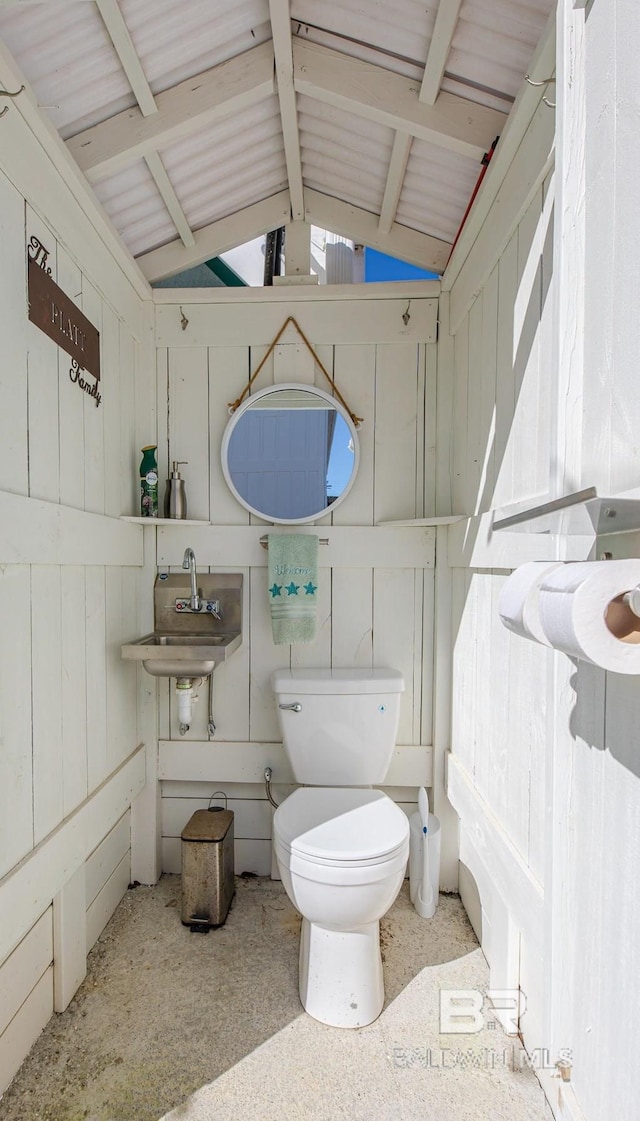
<point>583,512</point>
<point>445,519</point>
<point>162,521</point>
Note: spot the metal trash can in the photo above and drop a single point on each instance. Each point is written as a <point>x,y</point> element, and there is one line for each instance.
<point>207,867</point>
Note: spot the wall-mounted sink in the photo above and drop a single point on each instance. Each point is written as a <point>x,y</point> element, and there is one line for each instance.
<point>190,643</point>
<point>181,655</point>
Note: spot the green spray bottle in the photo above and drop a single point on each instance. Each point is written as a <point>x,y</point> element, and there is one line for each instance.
<point>149,482</point>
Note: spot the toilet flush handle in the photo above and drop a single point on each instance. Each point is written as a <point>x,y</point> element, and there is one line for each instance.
<point>297,707</point>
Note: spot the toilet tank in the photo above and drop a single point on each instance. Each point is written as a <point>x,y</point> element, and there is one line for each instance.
<point>344,731</point>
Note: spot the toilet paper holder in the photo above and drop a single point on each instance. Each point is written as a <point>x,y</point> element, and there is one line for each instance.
<point>632,600</point>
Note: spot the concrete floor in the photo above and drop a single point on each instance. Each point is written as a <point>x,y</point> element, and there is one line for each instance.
<point>193,1027</point>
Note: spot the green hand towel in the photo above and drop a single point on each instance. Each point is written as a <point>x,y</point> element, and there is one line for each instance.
<point>293,586</point>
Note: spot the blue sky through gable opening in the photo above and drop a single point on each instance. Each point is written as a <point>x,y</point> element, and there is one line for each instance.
<point>378,267</point>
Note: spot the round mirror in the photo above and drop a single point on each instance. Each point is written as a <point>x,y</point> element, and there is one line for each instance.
<point>290,453</point>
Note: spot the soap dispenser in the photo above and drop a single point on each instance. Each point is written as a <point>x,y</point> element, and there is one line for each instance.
<point>175,498</point>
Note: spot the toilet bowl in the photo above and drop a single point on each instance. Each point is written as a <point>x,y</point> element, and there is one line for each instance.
<point>342,855</point>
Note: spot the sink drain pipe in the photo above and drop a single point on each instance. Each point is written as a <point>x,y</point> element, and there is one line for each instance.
<point>184,693</point>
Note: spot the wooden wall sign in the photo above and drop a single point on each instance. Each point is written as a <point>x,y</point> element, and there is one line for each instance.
<point>54,313</point>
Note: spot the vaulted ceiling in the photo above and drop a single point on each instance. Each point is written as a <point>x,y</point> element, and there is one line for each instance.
<point>201,124</point>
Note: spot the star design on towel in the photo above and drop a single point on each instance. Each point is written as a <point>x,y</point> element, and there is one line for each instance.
<point>292,589</point>
<point>310,588</point>
<point>275,590</point>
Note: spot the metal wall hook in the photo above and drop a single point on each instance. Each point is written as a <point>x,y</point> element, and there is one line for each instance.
<point>551,104</point>
<point>8,93</point>
<point>544,82</point>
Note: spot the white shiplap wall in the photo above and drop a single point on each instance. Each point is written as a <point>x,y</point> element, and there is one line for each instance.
<point>544,770</point>
<point>376,582</point>
<point>499,452</point>
<point>70,764</point>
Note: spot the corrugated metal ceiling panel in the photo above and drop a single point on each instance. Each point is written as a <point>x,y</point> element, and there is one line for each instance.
<point>229,166</point>
<point>177,40</point>
<point>401,30</point>
<point>342,154</point>
<point>69,59</point>
<point>494,41</point>
<point>437,187</point>
<point>134,205</point>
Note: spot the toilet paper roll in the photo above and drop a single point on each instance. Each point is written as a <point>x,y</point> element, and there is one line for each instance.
<point>582,613</point>
<point>518,605</point>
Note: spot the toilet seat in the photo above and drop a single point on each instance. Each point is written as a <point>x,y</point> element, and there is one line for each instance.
<point>342,828</point>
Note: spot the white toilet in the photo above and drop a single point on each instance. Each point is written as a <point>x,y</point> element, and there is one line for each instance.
<point>341,847</point>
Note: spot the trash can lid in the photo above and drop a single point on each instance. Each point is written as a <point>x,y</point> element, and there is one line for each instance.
<point>208,825</point>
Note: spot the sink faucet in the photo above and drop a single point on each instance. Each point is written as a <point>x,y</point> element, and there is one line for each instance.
<point>189,562</point>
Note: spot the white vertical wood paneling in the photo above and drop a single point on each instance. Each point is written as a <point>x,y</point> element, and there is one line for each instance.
<point>129,448</point>
<point>72,482</point>
<point>16,819</point>
<point>74,686</point>
<point>228,374</point>
<point>46,683</point>
<point>189,423</point>
<point>42,358</point>
<point>394,625</point>
<point>459,435</point>
<point>505,447</point>
<point>352,629</point>
<point>69,938</point>
<point>66,455</point>
<point>355,372</point>
<point>397,411</point>
<point>474,443</point>
<point>113,450</point>
<point>96,676</point>
<point>430,429</point>
<point>13,368</point>
<point>94,415</point>
<point>318,652</point>
<point>265,657</point>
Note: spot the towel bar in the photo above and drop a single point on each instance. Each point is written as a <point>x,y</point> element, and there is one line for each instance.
<point>264,541</point>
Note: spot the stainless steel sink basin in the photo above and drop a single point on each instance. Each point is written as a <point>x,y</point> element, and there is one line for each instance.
<point>181,655</point>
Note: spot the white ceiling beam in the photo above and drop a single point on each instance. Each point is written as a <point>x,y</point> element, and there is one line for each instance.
<point>216,238</point>
<point>183,110</point>
<point>283,51</point>
<point>362,227</point>
<point>395,178</point>
<point>443,32</point>
<point>389,99</point>
<point>170,198</point>
<point>113,20</point>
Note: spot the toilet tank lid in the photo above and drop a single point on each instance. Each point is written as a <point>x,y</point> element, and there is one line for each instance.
<point>319,681</point>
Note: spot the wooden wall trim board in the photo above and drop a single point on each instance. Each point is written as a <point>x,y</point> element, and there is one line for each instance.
<point>213,761</point>
<point>318,293</point>
<point>25,1027</point>
<point>323,322</point>
<point>349,546</point>
<point>37,532</point>
<point>524,177</point>
<point>24,968</point>
<point>28,889</point>
<point>541,66</point>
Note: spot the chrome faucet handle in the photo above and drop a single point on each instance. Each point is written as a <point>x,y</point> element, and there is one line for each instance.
<point>296,707</point>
